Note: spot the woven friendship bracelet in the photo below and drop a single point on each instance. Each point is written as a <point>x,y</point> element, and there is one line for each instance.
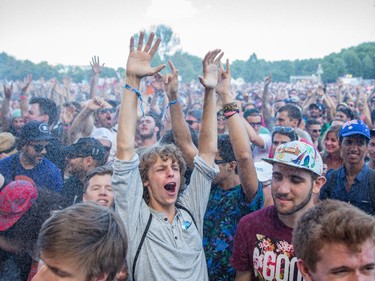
<point>138,93</point>
<point>172,102</point>
<point>230,106</point>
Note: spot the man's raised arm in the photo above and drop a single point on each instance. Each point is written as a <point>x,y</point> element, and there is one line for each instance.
<point>208,133</point>
<point>137,67</point>
<point>238,136</point>
<point>180,128</point>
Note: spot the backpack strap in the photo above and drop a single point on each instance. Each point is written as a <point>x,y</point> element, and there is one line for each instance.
<point>371,186</point>
<point>145,233</point>
<point>331,183</point>
<point>14,166</point>
<point>140,245</point>
<point>187,211</point>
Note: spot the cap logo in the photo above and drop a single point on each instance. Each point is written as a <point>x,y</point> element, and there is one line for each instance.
<point>44,128</point>
<point>291,150</point>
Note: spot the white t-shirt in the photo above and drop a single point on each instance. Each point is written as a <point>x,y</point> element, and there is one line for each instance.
<point>260,152</point>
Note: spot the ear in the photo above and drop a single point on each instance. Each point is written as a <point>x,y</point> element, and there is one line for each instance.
<point>232,165</point>
<point>318,184</point>
<point>89,161</point>
<point>304,270</point>
<point>45,118</point>
<point>157,129</point>
<point>295,123</point>
<point>101,277</point>
<point>84,198</point>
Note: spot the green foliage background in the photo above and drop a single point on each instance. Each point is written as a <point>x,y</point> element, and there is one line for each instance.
<point>358,61</point>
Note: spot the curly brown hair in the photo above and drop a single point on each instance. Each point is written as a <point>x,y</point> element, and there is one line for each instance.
<point>164,152</point>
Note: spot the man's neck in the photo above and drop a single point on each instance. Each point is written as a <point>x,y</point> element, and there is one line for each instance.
<point>230,182</point>
<point>170,211</point>
<point>291,220</point>
<point>148,141</point>
<point>26,163</point>
<point>353,170</point>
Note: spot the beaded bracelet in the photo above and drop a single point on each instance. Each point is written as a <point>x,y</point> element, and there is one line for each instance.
<point>230,106</point>
<point>138,93</point>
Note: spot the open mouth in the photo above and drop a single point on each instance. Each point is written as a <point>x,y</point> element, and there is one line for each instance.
<point>170,187</point>
<point>102,202</point>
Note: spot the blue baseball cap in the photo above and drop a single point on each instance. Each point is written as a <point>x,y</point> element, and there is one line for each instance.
<point>355,127</point>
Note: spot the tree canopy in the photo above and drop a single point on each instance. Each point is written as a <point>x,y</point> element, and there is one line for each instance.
<point>358,61</point>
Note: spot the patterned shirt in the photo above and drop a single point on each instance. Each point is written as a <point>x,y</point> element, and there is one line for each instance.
<point>224,210</point>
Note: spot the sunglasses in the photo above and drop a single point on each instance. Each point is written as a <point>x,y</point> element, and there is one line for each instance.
<point>191,122</point>
<point>277,129</point>
<point>316,131</point>
<point>256,124</point>
<point>39,147</point>
<point>218,162</point>
<point>105,110</point>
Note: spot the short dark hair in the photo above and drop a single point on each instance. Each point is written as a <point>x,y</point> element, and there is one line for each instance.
<point>347,111</point>
<point>294,112</point>
<point>98,171</point>
<point>310,122</point>
<point>251,112</point>
<point>225,148</point>
<point>46,106</point>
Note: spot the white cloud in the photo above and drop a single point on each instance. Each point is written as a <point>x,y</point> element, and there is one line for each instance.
<point>169,10</point>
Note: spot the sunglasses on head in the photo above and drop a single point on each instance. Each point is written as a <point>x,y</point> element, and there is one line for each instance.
<point>105,110</point>
<point>39,147</point>
<point>191,122</point>
<point>283,129</point>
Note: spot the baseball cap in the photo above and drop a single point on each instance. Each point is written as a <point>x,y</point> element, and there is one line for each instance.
<point>102,134</point>
<point>7,143</point>
<point>354,127</point>
<point>35,131</point>
<point>85,147</point>
<point>16,198</point>
<point>315,105</point>
<point>196,113</point>
<point>264,171</point>
<point>298,154</point>
<point>16,113</point>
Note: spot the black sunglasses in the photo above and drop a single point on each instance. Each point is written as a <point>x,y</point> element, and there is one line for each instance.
<point>217,161</point>
<point>105,110</point>
<point>191,122</point>
<point>316,131</point>
<point>39,147</point>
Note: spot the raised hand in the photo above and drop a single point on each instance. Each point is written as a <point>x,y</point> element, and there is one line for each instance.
<point>138,64</point>
<point>8,91</point>
<point>223,86</point>
<point>171,82</point>
<point>26,83</point>
<point>211,65</point>
<point>95,65</point>
<point>97,103</point>
<point>268,80</point>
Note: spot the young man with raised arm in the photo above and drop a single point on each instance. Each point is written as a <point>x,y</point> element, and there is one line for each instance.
<point>148,191</point>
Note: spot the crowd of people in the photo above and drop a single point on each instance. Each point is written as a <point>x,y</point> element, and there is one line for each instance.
<point>148,178</point>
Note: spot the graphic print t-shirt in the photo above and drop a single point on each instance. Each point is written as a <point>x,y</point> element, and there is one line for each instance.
<point>263,247</point>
